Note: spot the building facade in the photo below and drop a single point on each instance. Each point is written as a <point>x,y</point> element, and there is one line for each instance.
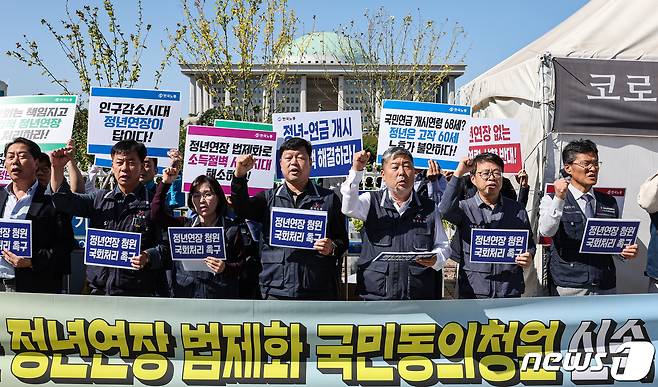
<point>322,76</point>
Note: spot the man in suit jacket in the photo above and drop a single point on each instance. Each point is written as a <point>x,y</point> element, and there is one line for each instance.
<point>24,198</point>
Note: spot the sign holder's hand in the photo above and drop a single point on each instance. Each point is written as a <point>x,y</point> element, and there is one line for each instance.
<point>139,261</point>
<point>524,259</point>
<point>433,170</point>
<point>427,262</point>
<point>324,246</point>
<point>629,252</point>
<point>216,265</point>
<point>15,260</point>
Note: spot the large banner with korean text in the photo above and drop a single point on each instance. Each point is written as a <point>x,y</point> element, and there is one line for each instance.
<point>151,117</point>
<point>606,96</point>
<point>214,152</point>
<point>334,135</point>
<point>82,340</point>
<point>430,131</point>
<point>44,119</point>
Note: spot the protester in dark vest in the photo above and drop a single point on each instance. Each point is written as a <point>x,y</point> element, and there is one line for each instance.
<point>430,182</point>
<point>563,215</point>
<point>125,208</point>
<point>647,198</point>
<point>211,278</point>
<point>25,199</point>
<point>488,208</point>
<point>396,219</point>
<point>290,273</point>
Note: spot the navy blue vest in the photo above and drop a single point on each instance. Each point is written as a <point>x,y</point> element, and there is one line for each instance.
<point>385,230</point>
<point>486,280</point>
<point>568,267</point>
<point>298,273</point>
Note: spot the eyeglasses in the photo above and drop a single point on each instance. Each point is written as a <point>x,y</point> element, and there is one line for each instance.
<point>486,174</point>
<point>206,195</point>
<point>589,165</point>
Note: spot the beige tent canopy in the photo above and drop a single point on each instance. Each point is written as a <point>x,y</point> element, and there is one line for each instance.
<point>522,88</point>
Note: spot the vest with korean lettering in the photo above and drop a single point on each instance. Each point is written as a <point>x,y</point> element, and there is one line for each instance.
<point>385,230</point>
<point>569,267</point>
<point>299,273</point>
<point>486,280</point>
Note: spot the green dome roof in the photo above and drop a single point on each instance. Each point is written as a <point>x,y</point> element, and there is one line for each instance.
<point>324,47</point>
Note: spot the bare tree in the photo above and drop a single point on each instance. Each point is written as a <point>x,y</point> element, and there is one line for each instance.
<point>400,58</point>
<point>238,46</point>
<point>100,52</point>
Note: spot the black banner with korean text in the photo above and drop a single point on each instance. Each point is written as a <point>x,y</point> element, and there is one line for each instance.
<point>606,96</point>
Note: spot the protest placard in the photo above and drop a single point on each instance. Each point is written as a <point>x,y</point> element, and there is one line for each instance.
<point>44,119</point>
<point>430,131</point>
<point>214,151</point>
<point>497,246</point>
<point>111,248</point>
<point>295,228</point>
<point>16,236</point>
<point>608,236</point>
<point>499,136</point>
<point>403,256</point>
<point>196,242</point>
<point>151,117</point>
<point>231,124</point>
<point>334,135</point>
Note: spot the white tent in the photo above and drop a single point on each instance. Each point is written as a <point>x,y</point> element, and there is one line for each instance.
<point>522,88</point>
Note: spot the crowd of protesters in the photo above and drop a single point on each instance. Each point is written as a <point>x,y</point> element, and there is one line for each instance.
<point>406,215</point>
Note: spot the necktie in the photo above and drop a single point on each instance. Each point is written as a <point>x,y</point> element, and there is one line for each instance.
<point>589,205</point>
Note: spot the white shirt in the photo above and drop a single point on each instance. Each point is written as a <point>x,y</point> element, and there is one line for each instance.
<point>15,209</point>
<point>550,210</point>
<point>357,206</point>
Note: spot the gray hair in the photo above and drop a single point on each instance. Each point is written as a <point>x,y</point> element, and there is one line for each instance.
<point>394,152</point>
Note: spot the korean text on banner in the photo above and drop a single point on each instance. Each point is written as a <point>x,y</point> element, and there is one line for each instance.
<point>297,228</point>
<point>497,246</point>
<point>214,152</point>
<point>499,136</point>
<point>44,119</point>
<point>196,242</point>
<point>335,137</point>
<point>137,341</point>
<point>608,236</point>
<point>111,248</point>
<point>16,236</point>
<point>151,117</point>
<point>430,131</point>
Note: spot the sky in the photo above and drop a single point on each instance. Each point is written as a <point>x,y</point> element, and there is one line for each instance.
<point>494,30</point>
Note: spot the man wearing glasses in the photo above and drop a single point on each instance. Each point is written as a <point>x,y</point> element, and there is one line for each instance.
<point>487,209</point>
<point>563,215</point>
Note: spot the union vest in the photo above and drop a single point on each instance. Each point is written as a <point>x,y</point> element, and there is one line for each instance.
<point>385,230</point>
<point>568,267</point>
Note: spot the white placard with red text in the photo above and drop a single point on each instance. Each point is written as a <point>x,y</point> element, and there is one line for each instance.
<point>499,136</point>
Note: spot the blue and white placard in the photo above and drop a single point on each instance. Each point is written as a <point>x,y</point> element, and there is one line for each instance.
<point>111,248</point>
<point>497,245</point>
<point>334,135</point>
<point>196,242</point>
<point>297,228</point>
<point>608,236</point>
<point>151,117</point>
<point>16,236</point>
<point>430,131</point>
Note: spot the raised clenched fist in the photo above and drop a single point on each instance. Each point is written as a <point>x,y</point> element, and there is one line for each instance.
<point>244,165</point>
